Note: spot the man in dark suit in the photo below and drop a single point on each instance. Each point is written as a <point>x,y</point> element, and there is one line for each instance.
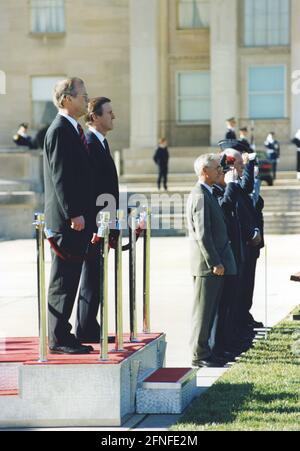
<point>240,181</point>
<point>100,119</point>
<point>211,257</point>
<point>68,209</point>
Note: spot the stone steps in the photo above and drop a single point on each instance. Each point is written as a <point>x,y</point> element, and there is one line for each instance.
<point>281,213</point>
<point>10,186</point>
<point>137,162</point>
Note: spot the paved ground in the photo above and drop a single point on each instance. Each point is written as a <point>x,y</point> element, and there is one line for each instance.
<point>171,296</point>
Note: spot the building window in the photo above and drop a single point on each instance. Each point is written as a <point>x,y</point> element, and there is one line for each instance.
<point>47,16</point>
<point>267,23</point>
<point>193,13</point>
<point>43,109</point>
<point>267,92</point>
<point>193,97</point>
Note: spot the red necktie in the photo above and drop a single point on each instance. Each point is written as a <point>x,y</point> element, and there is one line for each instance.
<point>83,138</point>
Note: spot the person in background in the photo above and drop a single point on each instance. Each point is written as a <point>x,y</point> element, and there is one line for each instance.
<point>273,149</point>
<point>161,158</point>
<point>244,139</point>
<point>296,141</point>
<point>231,124</point>
<point>21,138</point>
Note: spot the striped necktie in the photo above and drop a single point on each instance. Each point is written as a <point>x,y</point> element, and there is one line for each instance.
<point>83,138</point>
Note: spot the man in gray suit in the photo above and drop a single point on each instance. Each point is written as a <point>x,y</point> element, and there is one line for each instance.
<point>211,257</point>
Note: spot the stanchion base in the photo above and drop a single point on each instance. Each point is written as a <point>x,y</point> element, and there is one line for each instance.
<point>73,391</point>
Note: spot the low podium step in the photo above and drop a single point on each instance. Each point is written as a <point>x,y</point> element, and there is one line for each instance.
<point>167,391</point>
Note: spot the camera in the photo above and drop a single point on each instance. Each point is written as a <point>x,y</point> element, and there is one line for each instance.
<point>227,163</point>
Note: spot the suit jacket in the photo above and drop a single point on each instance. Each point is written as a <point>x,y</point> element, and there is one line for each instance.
<point>230,134</point>
<point>210,245</point>
<point>247,144</point>
<point>105,174</point>
<point>237,198</point>
<point>161,157</point>
<point>233,225</point>
<point>68,176</point>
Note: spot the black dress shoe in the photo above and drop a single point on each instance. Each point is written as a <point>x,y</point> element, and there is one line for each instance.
<point>257,325</point>
<point>70,350</point>
<point>226,356</point>
<point>89,348</point>
<point>209,363</point>
<point>96,340</point>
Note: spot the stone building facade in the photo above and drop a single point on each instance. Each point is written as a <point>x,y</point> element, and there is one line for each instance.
<point>176,68</point>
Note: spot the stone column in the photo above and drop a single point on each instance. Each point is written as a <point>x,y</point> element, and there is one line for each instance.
<point>295,66</point>
<point>224,70</point>
<point>144,72</point>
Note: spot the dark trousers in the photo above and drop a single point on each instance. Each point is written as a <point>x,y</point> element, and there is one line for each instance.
<point>229,326</point>
<point>227,314</point>
<point>63,286</point>
<point>249,285</point>
<point>207,294</point>
<point>87,326</point>
<point>163,177</point>
<point>274,168</point>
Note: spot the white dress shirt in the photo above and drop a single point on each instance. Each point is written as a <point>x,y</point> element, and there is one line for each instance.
<point>99,135</point>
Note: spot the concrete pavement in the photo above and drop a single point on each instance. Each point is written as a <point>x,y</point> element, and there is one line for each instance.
<point>171,295</point>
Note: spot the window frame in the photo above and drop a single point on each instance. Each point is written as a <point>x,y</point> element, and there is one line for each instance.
<point>285,92</point>
<point>179,98</point>
<point>58,76</point>
<point>257,46</point>
<point>47,33</point>
<point>191,29</point>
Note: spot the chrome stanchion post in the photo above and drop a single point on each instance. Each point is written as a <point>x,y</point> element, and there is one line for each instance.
<point>103,234</point>
<point>266,291</point>
<point>42,308</point>
<point>119,345</point>
<point>132,274</point>
<point>146,270</point>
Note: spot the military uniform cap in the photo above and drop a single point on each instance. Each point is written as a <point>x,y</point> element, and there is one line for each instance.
<point>226,144</point>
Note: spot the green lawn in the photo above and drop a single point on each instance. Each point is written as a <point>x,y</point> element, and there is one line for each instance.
<point>260,393</point>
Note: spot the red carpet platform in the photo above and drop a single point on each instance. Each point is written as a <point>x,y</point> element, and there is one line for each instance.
<point>82,390</point>
<point>26,351</point>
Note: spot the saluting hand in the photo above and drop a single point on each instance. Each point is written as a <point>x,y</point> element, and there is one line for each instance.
<point>78,224</point>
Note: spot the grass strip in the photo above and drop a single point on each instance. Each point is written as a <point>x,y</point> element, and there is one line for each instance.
<point>259,393</point>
